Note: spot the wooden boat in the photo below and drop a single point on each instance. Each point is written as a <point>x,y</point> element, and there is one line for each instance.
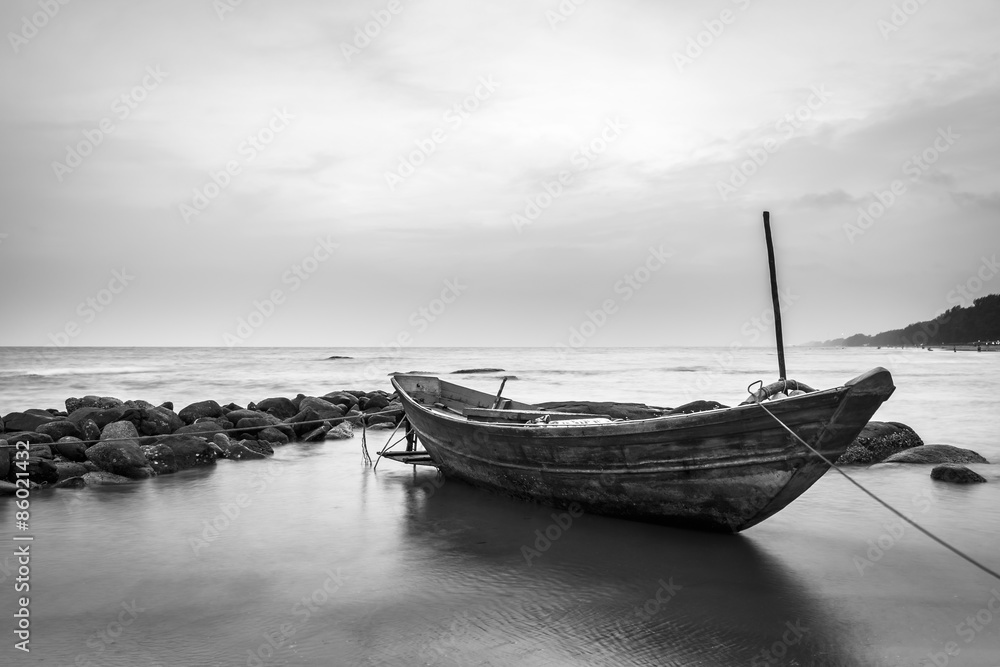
<point>724,469</point>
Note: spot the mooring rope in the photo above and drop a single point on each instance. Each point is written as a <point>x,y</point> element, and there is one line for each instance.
<point>883,503</point>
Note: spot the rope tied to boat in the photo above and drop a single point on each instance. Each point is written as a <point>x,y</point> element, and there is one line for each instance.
<point>874,497</point>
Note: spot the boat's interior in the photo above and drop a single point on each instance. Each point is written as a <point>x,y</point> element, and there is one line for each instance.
<point>475,405</point>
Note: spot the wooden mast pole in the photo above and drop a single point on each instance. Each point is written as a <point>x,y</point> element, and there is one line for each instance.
<point>774,297</point>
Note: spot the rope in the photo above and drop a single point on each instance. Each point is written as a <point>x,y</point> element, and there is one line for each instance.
<point>244,430</point>
<point>881,502</point>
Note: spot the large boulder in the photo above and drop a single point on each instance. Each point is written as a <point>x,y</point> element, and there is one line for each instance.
<point>91,431</point>
<point>159,421</point>
<point>205,429</point>
<point>104,478</point>
<point>40,450</point>
<point>936,454</point>
<point>27,421</point>
<point>318,434</point>
<point>280,407</point>
<point>121,457</point>
<point>375,400</point>
<point>251,426</point>
<point>69,469</point>
<point>273,436</point>
<point>207,408</point>
<point>119,431</point>
<point>244,450</point>
<point>342,398</point>
<point>40,471</point>
<point>956,474</point>
<point>341,431</point>
<point>190,451</point>
<point>70,448</point>
<point>161,458</point>
<point>31,437</point>
<point>325,409</point>
<point>303,422</point>
<point>90,401</point>
<point>103,417</point>
<point>60,428</point>
<point>877,441</point>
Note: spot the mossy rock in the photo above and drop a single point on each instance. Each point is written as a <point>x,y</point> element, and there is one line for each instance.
<point>878,441</point>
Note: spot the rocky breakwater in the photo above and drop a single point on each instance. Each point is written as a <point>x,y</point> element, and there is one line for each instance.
<point>103,440</point>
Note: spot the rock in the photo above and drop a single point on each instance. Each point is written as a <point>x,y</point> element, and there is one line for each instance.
<point>341,431</point>
<point>356,393</point>
<point>103,478</point>
<point>169,405</point>
<point>121,457</point>
<point>40,471</point>
<point>205,429</point>
<point>297,400</point>
<point>60,428</point>
<point>318,433</point>
<point>341,398</point>
<point>251,426</point>
<point>877,441</point>
<point>67,469</point>
<point>104,417</point>
<point>229,407</point>
<point>956,474</point>
<point>70,448</point>
<point>236,415</point>
<point>375,420</point>
<point>30,437</point>
<point>374,401</point>
<point>325,409</point>
<point>26,421</point>
<point>273,436</point>
<point>280,407</point>
<point>139,405</point>
<point>936,454</point>
<point>241,451</point>
<point>303,422</point>
<point>70,483</point>
<point>41,451</point>
<point>337,356</point>
<point>90,466</point>
<point>91,431</point>
<point>207,408</point>
<point>161,459</point>
<point>159,421</point>
<point>90,401</point>
<point>354,417</point>
<point>190,451</point>
<point>259,446</point>
<point>119,431</point>
<point>477,370</point>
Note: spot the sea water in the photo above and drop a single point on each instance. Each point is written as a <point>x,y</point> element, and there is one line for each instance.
<point>314,558</point>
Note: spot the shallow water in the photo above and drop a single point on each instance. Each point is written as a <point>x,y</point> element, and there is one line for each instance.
<point>402,567</point>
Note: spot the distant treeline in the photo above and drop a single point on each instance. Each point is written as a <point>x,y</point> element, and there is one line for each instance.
<point>980,322</point>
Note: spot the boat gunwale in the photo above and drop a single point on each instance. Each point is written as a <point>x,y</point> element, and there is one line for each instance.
<point>622,426</point>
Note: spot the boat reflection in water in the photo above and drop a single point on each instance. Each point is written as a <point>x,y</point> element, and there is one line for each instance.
<point>511,582</point>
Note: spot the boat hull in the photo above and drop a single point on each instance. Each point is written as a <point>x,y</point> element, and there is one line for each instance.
<point>722,470</point>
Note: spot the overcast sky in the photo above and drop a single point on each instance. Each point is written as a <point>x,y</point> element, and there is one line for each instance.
<point>506,166</point>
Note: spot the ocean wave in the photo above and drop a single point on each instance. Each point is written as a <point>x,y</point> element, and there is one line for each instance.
<point>59,372</point>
